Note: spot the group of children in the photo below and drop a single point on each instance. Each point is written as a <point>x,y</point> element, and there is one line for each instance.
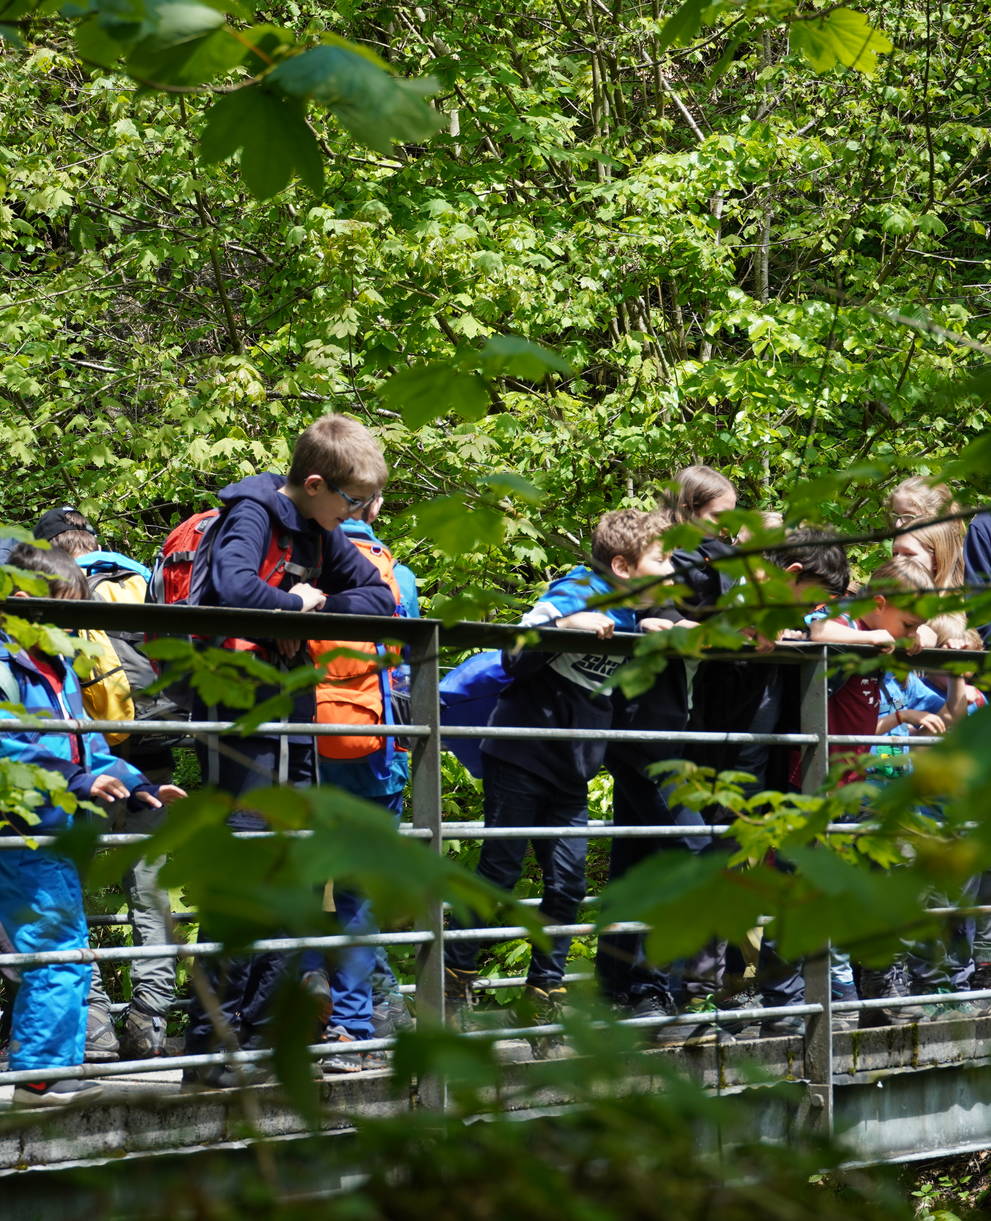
<point>540,782</point>
<point>323,511</point>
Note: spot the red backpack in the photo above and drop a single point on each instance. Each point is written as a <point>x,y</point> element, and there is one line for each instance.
<point>182,569</point>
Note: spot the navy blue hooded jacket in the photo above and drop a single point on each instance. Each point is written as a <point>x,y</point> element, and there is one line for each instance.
<point>254,506</point>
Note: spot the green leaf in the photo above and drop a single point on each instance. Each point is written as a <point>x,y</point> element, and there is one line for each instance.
<point>375,106</point>
<point>518,357</point>
<point>508,483</point>
<point>95,46</point>
<point>682,25</point>
<point>842,36</point>
<point>455,528</point>
<point>273,136</point>
<point>181,21</point>
<point>424,392</point>
<point>187,63</point>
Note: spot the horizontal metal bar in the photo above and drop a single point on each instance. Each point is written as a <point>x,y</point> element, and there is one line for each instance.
<point>134,1068</point>
<point>206,949</point>
<point>628,735</point>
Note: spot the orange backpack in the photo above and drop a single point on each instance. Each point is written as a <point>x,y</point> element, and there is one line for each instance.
<point>356,684</point>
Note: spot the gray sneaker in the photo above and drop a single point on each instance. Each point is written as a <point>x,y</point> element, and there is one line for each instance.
<point>55,1093</point>
<point>102,1046</point>
<point>390,1015</point>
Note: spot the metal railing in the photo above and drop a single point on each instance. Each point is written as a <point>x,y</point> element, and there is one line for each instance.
<point>426,641</point>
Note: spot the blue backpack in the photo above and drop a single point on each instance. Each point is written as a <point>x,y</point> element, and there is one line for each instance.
<point>468,696</point>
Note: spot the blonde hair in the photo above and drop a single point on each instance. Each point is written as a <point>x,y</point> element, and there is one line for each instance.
<point>697,487</point>
<point>342,451</point>
<point>925,500</point>
<point>899,575</point>
<point>944,542</point>
<point>953,626</point>
<point>629,533</point>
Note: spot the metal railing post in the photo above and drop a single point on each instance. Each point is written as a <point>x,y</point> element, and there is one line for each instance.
<point>818,1027</point>
<point>427,814</point>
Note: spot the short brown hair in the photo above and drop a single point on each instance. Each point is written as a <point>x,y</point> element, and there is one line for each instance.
<point>629,533</point>
<point>342,451</point>
<point>66,579</point>
<point>698,486</point>
<point>899,575</point>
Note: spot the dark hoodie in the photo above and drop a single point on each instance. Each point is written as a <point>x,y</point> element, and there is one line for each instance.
<point>352,584</point>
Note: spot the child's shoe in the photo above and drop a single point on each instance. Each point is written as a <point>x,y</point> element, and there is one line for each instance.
<point>846,1019</point>
<point>143,1036</point>
<point>658,1004</point>
<point>390,1015</point>
<point>705,1032</point>
<point>540,1007</point>
<point>55,1093</point>
<point>459,997</point>
<point>102,1046</point>
<point>878,984</point>
<point>341,1061</point>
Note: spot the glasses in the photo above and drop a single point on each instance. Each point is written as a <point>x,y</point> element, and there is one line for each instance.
<point>354,503</point>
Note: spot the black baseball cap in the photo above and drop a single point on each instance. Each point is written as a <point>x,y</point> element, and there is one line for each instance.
<point>55,522</point>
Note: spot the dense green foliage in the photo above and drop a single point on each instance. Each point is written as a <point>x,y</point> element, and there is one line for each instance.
<point>742,262</point>
<point>750,234</point>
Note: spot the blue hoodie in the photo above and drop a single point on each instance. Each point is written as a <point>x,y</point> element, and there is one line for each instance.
<point>54,751</point>
<point>560,691</point>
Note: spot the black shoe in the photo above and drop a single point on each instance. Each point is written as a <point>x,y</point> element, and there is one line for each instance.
<point>880,984</point>
<point>55,1093</point>
<point>783,1027</point>
<point>224,1076</point>
<point>390,1015</point>
<point>341,1060</point>
<point>658,1004</point>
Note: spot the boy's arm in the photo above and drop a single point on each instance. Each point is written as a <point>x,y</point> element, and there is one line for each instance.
<point>837,631</point>
<point>242,542</point>
<point>352,583</point>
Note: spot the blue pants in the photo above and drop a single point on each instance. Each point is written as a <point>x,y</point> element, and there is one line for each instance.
<point>353,966</point>
<point>517,798</point>
<point>41,907</point>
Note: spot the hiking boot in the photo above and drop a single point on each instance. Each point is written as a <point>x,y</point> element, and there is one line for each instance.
<point>540,1007</point>
<point>783,1027</point>
<point>317,984</point>
<point>657,1004</point>
<point>55,1093</point>
<point>224,1076</point>
<point>102,1046</point>
<point>705,1032</point>
<point>143,1036</point>
<point>948,1011</point>
<point>878,984</point>
<point>390,1015</point>
<point>846,1019</point>
<point>459,997</point>
<point>341,1061</point>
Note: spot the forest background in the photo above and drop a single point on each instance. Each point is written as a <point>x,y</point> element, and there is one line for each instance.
<point>751,233</point>
<point>738,260</point>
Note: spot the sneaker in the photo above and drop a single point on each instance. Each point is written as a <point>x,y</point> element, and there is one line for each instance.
<point>376,1061</point>
<point>657,1004</point>
<point>341,1061</point>
<point>947,1011</point>
<point>55,1093</point>
<point>459,997</point>
<point>876,984</point>
<point>102,1046</point>
<point>390,1015</point>
<point>224,1076</point>
<point>784,1027</point>
<point>540,1007</point>
<point>705,1032</point>
<point>317,984</point>
<point>143,1036</point>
